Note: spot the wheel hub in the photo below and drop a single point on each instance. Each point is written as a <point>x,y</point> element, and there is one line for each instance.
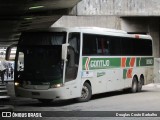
<point>85,92</point>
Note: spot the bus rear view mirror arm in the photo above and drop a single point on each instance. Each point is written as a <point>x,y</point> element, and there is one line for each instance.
<point>8,51</point>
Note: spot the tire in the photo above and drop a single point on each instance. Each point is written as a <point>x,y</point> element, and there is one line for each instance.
<point>140,84</point>
<point>45,101</point>
<point>86,93</point>
<point>134,87</point>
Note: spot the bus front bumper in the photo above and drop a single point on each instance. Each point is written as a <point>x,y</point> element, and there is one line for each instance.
<point>53,93</point>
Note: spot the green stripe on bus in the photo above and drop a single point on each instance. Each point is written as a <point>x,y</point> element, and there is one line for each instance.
<point>128,62</point>
<point>137,62</point>
<point>101,63</point>
<point>84,63</point>
<point>106,63</point>
<point>124,73</point>
<point>149,61</point>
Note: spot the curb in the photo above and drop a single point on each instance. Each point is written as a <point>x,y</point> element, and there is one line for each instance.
<point>4,108</point>
<point>155,85</point>
<point>8,80</point>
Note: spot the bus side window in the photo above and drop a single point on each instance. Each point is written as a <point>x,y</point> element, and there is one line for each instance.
<point>89,44</point>
<point>102,46</point>
<point>115,46</point>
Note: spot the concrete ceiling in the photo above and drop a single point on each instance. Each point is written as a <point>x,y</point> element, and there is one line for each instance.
<point>19,15</point>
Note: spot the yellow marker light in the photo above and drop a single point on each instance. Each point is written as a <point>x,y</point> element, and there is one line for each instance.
<point>28,18</point>
<point>57,85</point>
<point>16,84</point>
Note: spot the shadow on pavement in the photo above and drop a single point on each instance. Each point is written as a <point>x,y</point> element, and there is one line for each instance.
<point>73,101</point>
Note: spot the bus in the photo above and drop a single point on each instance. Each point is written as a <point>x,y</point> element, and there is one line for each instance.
<point>78,62</point>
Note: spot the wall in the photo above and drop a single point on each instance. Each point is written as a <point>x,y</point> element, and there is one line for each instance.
<point>89,21</point>
<point>118,7</point>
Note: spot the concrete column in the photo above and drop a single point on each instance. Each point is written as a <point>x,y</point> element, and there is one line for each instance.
<point>154,32</point>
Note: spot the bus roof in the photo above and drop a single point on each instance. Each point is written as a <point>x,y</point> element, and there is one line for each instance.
<point>90,29</point>
<point>98,30</point>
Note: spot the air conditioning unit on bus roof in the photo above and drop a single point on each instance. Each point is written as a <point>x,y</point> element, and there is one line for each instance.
<point>92,28</point>
<point>103,29</point>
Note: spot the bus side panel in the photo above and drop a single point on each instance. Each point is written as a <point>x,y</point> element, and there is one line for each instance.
<point>114,79</point>
<point>101,80</point>
<point>104,80</point>
<point>98,85</point>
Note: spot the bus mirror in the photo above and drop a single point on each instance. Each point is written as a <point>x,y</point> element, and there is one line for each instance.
<point>64,51</point>
<point>8,52</point>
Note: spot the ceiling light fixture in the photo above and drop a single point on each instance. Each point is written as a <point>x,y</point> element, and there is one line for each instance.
<point>28,18</point>
<point>35,7</point>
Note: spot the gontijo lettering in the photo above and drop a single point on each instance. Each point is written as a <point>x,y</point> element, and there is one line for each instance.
<point>99,63</point>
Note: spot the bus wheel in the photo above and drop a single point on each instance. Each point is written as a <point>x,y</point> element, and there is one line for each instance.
<point>45,101</point>
<point>140,84</point>
<point>86,93</point>
<point>134,87</point>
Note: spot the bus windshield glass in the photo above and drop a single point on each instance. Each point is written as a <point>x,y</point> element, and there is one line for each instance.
<point>39,57</point>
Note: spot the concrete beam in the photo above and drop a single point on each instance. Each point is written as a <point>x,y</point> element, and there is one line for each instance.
<point>118,7</point>
<point>112,22</point>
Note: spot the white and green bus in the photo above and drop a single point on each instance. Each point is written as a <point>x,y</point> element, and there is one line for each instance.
<point>66,63</point>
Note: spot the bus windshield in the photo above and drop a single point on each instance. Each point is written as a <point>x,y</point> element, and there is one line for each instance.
<point>39,57</point>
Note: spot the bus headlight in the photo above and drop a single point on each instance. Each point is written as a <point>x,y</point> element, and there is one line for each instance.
<point>16,83</point>
<point>56,85</point>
